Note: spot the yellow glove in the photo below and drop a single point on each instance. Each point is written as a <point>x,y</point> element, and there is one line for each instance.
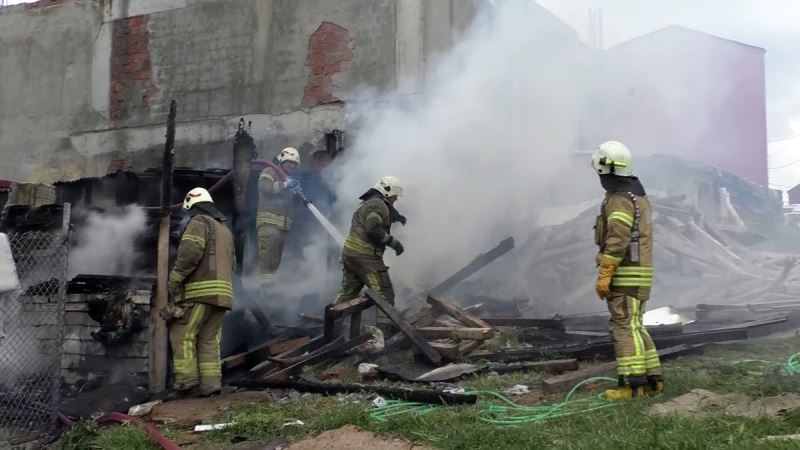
<point>604,275</point>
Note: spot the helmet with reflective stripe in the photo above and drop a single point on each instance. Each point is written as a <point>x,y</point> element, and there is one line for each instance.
<point>612,157</point>
<point>195,196</point>
<point>289,154</point>
<point>389,186</point>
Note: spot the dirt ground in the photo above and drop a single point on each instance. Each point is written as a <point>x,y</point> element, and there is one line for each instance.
<point>351,437</point>
<point>190,412</point>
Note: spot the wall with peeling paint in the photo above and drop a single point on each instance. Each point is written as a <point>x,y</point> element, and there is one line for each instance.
<point>85,85</point>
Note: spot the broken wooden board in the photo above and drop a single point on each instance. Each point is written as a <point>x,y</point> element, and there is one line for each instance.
<point>565,381</point>
<point>333,349</point>
<point>268,365</point>
<point>417,339</point>
<point>254,355</point>
<point>288,345</point>
<point>346,308</point>
<point>423,318</point>
<point>457,333</point>
<point>554,324</point>
<point>475,265</point>
<point>450,308</point>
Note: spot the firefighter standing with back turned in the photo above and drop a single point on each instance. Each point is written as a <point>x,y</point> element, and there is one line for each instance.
<point>623,233</point>
<point>200,293</point>
<point>274,216</point>
<point>370,234</point>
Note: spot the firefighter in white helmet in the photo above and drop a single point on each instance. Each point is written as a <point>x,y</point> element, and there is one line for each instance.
<point>274,217</point>
<point>624,236</point>
<point>200,293</point>
<point>370,234</point>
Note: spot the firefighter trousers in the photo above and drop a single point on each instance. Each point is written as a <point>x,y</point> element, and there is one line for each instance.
<point>270,249</point>
<point>195,339</point>
<point>635,351</point>
<point>358,272</point>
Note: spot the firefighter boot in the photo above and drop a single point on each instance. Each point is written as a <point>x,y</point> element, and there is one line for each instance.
<point>655,384</point>
<point>629,388</point>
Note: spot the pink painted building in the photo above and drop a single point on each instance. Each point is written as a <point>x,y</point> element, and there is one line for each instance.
<point>686,93</point>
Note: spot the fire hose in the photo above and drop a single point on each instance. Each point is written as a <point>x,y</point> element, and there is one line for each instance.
<point>114,417</point>
<point>256,162</point>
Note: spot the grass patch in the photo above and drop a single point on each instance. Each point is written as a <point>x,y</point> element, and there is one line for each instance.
<point>85,436</point>
<point>621,427</point>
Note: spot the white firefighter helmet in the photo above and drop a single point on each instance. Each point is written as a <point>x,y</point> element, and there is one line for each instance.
<point>289,154</point>
<point>389,186</point>
<point>195,196</point>
<point>612,157</point>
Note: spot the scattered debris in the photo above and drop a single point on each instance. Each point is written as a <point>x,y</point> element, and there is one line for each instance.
<point>379,402</point>
<point>190,412</point>
<point>517,389</point>
<point>294,423</point>
<point>214,427</point>
<point>367,370</point>
<point>143,409</point>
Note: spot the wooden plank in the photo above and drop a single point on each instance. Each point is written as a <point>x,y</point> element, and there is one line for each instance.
<point>456,333</point>
<point>288,345</point>
<point>310,346</point>
<point>157,373</point>
<point>417,339</point>
<point>468,347</point>
<point>553,324</point>
<point>448,350</point>
<point>348,307</point>
<point>475,265</point>
<point>450,308</point>
<point>327,351</point>
<point>422,318</point>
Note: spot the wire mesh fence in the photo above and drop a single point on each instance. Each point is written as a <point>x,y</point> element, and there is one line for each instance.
<point>31,336</point>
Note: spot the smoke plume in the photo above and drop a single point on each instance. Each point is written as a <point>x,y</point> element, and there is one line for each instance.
<point>479,152</point>
<point>106,244</point>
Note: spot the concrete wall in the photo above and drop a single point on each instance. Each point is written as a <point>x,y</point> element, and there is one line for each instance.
<point>85,85</point>
<point>690,94</point>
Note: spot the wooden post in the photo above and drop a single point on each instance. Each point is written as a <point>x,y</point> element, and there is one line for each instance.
<point>243,153</point>
<point>158,328</point>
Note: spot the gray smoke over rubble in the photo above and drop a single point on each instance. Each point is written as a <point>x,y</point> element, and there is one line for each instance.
<point>106,244</point>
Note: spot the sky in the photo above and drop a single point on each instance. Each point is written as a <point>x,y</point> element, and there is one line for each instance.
<point>770,24</point>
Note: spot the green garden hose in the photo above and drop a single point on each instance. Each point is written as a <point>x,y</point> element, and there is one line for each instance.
<point>791,367</point>
<point>507,412</point>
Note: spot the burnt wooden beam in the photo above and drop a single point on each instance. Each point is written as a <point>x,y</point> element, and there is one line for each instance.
<point>398,393</point>
<point>556,365</point>
<point>309,346</point>
<point>452,309</point>
<point>257,353</point>
<point>422,318</point>
<point>347,308</point>
<point>418,340</point>
<point>553,324</point>
<point>475,265</point>
<point>456,333</point>
<point>290,344</point>
<point>325,352</point>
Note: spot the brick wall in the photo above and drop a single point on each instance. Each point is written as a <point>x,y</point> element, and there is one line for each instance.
<point>85,359</point>
<point>329,50</point>
<point>131,71</point>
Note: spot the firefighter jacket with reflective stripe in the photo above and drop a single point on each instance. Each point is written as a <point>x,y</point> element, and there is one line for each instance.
<point>203,271</point>
<point>369,230</point>
<point>616,236</point>
<point>275,202</point>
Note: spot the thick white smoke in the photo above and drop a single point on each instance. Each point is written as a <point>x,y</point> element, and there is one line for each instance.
<point>479,150</point>
<point>107,243</point>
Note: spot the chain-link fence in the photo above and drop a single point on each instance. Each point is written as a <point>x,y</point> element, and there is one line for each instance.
<point>31,336</point>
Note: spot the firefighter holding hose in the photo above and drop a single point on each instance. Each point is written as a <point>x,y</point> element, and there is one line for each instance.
<point>370,234</point>
<point>624,235</point>
<point>274,218</point>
